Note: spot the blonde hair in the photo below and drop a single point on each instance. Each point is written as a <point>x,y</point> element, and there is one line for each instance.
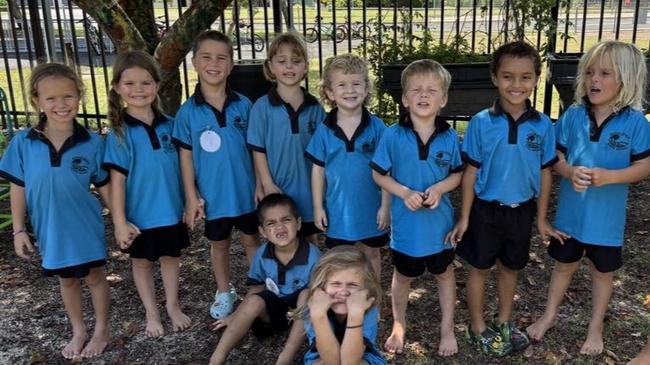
<point>337,259</point>
<point>424,67</point>
<point>123,62</point>
<point>46,70</point>
<point>629,70</point>
<point>298,47</point>
<point>349,64</point>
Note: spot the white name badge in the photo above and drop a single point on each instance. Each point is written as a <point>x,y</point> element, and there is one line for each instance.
<point>210,141</point>
<point>272,286</point>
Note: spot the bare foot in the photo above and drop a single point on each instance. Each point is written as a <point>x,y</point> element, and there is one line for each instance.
<point>537,330</point>
<point>448,345</point>
<point>395,343</point>
<point>97,344</point>
<point>594,343</point>
<point>180,321</point>
<point>154,328</point>
<point>642,359</point>
<point>73,348</point>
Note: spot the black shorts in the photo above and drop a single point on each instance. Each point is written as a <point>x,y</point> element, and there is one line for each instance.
<point>498,231</point>
<point>77,271</point>
<point>277,309</point>
<point>219,229</point>
<point>153,243</point>
<point>605,258</point>
<point>414,266</point>
<point>308,228</point>
<point>375,242</point>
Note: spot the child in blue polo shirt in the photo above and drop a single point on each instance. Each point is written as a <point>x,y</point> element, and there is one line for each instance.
<point>147,196</point>
<point>51,167</point>
<point>508,149</point>
<point>603,142</point>
<point>281,125</point>
<point>278,278</point>
<point>418,161</point>
<point>216,166</point>
<point>354,210</point>
<point>341,310</point>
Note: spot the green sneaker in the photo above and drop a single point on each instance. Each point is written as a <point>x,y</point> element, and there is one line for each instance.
<point>490,342</point>
<point>509,332</point>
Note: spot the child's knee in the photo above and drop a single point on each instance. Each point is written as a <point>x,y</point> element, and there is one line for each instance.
<point>95,278</point>
<point>567,268</point>
<point>221,245</point>
<point>141,264</point>
<point>252,304</point>
<point>249,240</point>
<point>69,283</point>
<point>402,279</point>
<point>447,275</point>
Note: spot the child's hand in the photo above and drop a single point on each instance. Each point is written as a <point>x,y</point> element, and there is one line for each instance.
<point>125,234</point>
<point>194,211</point>
<point>358,302</point>
<point>319,303</point>
<point>599,177</point>
<point>413,200</point>
<point>221,323</point>
<point>259,192</point>
<point>383,217</point>
<point>432,197</point>
<point>23,246</point>
<point>580,178</point>
<point>546,229</point>
<point>271,189</point>
<point>320,218</point>
<point>456,234</point>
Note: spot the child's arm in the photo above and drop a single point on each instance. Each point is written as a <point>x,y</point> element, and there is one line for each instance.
<point>383,214</point>
<point>467,191</point>
<point>317,193</point>
<point>578,175</point>
<point>22,245</point>
<point>125,232</point>
<point>412,199</point>
<point>631,174</point>
<point>326,343</point>
<point>543,226</point>
<point>352,347</point>
<point>437,190</point>
<point>264,174</point>
<point>193,208</point>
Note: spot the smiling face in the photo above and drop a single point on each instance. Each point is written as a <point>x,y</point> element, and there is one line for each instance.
<point>137,88</point>
<point>601,84</point>
<point>58,98</point>
<point>288,67</point>
<point>348,91</point>
<point>212,62</point>
<point>280,226</point>
<point>340,285</point>
<point>424,96</point>
<point>516,80</point>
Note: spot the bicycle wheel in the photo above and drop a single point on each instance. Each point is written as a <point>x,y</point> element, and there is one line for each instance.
<point>311,35</point>
<point>259,43</point>
<point>340,33</point>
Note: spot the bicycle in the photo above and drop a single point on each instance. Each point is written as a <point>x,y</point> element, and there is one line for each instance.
<point>313,33</point>
<point>358,29</point>
<point>245,34</point>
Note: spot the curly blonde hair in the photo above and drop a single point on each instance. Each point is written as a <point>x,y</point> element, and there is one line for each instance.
<point>349,64</point>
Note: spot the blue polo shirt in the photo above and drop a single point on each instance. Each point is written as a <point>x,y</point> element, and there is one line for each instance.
<point>148,159</point>
<point>352,198</point>
<point>597,215</point>
<point>222,163</point>
<point>66,217</point>
<point>509,154</point>
<point>417,165</point>
<point>371,354</point>
<point>289,278</point>
<point>282,133</point>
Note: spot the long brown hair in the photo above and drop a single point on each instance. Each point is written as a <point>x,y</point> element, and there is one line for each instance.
<point>123,62</point>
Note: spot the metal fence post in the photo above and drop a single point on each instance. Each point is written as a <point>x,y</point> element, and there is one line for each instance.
<point>552,39</point>
<point>37,32</point>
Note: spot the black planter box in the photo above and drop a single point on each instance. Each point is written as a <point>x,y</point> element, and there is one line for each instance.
<point>247,77</point>
<point>471,87</point>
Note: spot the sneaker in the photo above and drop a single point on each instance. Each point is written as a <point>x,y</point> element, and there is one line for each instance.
<point>509,332</point>
<point>223,303</point>
<point>490,342</point>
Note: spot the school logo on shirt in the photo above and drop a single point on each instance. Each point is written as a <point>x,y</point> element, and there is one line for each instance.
<point>534,141</point>
<point>442,158</point>
<point>167,144</point>
<point>80,165</point>
<point>618,141</point>
<point>240,124</point>
<point>368,146</point>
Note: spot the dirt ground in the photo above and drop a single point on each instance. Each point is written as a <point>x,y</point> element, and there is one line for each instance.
<point>34,326</point>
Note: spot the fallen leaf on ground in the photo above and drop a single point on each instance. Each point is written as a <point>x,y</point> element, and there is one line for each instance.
<point>646,302</point>
<point>612,355</point>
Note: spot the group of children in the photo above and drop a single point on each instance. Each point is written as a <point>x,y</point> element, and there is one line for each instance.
<point>285,169</point>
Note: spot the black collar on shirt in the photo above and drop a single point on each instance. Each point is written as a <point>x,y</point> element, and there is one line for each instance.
<point>276,100</point>
<point>79,135</point>
<point>220,115</point>
<point>441,126</point>
<point>300,257</point>
<point>594,130</point>
<point>530,114</point>
<point>331,122</point>
<point>150,129</point>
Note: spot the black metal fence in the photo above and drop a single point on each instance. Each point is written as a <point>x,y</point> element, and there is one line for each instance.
<point>59,31</point>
